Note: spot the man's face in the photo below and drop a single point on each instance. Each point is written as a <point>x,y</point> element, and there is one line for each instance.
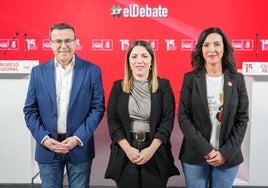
<point>63,44</point>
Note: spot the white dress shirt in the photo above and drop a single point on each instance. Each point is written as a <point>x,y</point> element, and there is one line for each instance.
<point>64,79</point>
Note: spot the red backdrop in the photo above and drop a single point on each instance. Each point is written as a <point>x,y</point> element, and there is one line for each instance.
<point>105,28</point>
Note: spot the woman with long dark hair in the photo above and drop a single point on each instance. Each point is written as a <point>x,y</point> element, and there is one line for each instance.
<point>213,114</point>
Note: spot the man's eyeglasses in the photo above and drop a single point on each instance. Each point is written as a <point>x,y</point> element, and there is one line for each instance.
<point>58,42</point>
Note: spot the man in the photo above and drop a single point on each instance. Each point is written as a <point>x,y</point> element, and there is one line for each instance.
<point>64,105</point>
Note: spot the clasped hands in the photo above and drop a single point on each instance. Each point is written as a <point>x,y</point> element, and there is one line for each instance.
<point>136,156</point>
<point>139,157</point>
<point>215,158</point>
<point>61,147</point>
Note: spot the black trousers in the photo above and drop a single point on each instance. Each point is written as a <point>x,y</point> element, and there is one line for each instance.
<point>141,176</point>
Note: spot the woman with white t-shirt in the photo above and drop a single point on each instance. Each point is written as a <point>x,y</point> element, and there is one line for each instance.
<point>213,114</point>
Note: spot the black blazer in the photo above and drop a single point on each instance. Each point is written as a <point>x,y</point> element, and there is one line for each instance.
<point>161,125</point>
<point>195,122</point>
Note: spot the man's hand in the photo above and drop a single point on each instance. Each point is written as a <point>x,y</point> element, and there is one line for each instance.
<point>61,147</point>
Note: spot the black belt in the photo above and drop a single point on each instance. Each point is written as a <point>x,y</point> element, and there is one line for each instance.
<point>140,136</point>
<point>61,137</point>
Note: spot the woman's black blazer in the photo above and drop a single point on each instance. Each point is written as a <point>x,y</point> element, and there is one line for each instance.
<point>194,119</point>
<point>161,125</point>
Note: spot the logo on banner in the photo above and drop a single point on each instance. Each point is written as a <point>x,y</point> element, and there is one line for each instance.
<point>31,44</point>
<point>264,44</point>
<point>78,45</point>
<point>242,44</point>
<point>102,44</point>
<point>153,43</point>
<point>124,44</point>
<point>188,44</point>
<point>170,45</point>
<point>116,11</point>
<point>17,66</point>
<point>255,68</point>
<point>5,43</point>
<point>46,44</point>
<point>135,10</point>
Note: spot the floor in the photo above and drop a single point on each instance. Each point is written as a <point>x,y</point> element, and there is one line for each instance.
<point>38,186</point>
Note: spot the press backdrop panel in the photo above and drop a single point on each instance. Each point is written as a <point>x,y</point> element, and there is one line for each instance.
<point>105,29</point>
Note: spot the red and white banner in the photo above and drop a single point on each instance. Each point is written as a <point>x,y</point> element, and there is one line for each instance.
<point>106,28</point>
<point>255,68</point>
<point>17,66</point>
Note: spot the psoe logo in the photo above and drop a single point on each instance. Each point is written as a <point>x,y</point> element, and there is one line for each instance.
<point>102,44</point>
<point>46,44</point>
<point>242,44</point>
<point>153,43</point>
<point>135,10</point>
<point>188,44</point>
<point>9,44</point>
